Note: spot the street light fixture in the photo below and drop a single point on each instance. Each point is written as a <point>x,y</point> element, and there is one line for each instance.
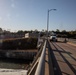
<point>48,19</point>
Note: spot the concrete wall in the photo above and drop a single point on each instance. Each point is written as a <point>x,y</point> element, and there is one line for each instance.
<point>18,55</point>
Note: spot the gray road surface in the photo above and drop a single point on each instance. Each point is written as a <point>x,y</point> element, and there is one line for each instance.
<point>64,58</point>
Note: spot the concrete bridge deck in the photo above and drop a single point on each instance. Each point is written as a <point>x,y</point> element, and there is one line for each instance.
<point>63,58</point>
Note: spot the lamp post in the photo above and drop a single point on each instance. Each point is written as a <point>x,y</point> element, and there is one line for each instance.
<point>48,19</point>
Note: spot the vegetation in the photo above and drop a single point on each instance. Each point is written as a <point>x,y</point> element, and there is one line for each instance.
<point>19,44</point>
<point>64,33</point>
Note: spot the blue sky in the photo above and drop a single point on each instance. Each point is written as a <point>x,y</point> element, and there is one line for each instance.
<point>32,14</point>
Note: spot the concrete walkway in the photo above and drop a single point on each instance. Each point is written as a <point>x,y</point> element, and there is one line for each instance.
<point>46,63</point>
<point>12,72</point>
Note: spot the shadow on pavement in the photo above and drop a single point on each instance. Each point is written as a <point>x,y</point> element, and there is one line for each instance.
<point>66,61</point>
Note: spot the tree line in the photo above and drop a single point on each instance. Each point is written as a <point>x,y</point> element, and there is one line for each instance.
<point>63,33</point>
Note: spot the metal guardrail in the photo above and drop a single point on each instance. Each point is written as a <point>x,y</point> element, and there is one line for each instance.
<point>41,64</point>
<point>33,63</point>
<point>38,65</point>
<point>32,67</point>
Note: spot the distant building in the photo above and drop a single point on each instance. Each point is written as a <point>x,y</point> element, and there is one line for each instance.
<point>31,35</point>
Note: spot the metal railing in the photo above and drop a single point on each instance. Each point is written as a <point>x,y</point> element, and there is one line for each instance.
<point>38,65</point>
<point>33,66</point>
<point>41,64</point>
<point>30,67</point>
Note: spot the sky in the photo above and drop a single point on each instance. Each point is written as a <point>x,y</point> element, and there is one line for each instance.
<point>32,14</point>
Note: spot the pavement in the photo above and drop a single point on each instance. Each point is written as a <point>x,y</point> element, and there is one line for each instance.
<point>63,58</point>
<point>71,43</point>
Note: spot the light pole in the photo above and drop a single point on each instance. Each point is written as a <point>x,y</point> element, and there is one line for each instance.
<point>48,19</point>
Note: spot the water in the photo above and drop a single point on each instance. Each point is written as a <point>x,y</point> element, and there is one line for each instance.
<point>13,63</point>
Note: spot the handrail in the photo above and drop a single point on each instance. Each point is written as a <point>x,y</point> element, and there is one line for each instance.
<point>41,64</point>
<point>34,61</point>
